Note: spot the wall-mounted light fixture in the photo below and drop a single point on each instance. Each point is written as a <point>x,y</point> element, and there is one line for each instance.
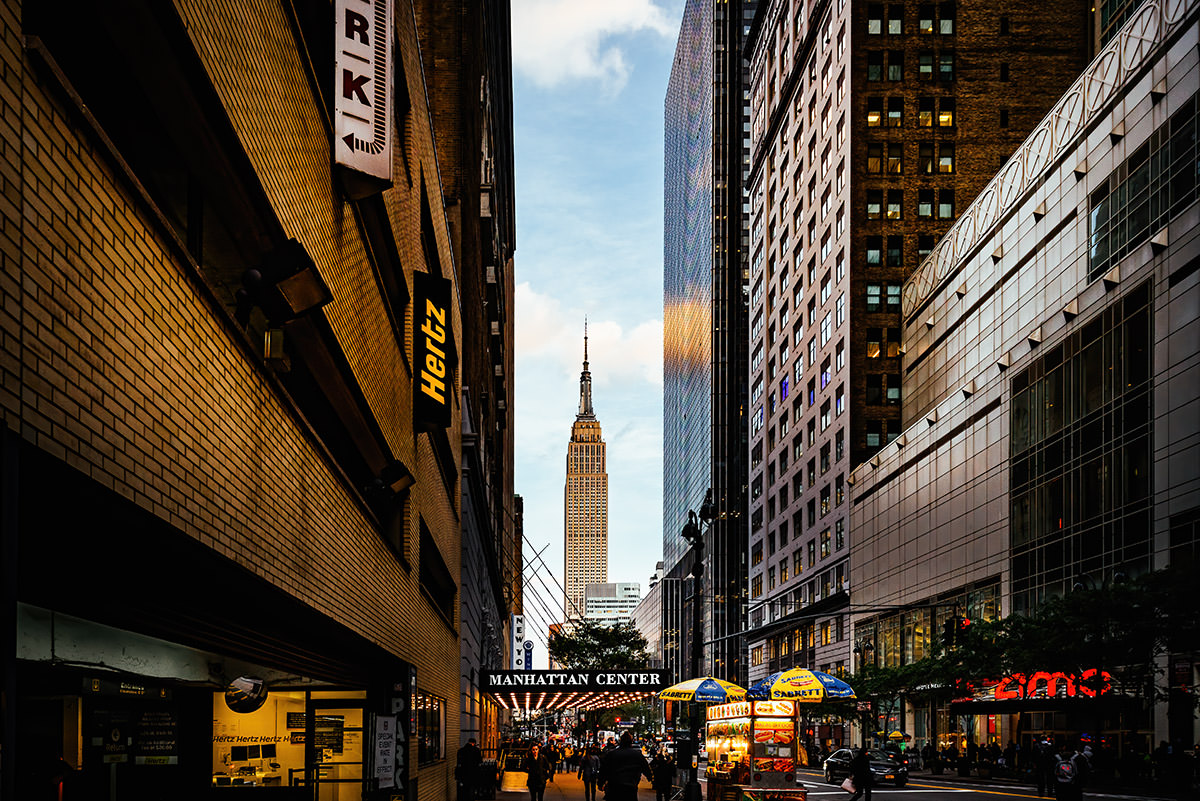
<point>287,285</point>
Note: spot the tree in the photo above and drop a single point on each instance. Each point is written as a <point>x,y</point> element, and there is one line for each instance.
<point>1122,628</point>
<point>594,646</point>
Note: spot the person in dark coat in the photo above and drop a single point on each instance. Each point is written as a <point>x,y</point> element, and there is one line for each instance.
<point>621,769</point>
<point>466,771</point>
<point>663,768</point>
<point>860,774</point>
<point>589,772</point>
<point>538,766</point>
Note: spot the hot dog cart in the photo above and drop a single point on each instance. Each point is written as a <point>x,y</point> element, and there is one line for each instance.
<point>753,752</point>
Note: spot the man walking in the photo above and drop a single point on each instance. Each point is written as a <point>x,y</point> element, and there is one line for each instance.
<point>466,771</point>
<point>621,769</point>
<point>860,774</point>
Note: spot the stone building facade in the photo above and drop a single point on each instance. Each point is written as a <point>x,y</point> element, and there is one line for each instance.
<point>1051,376</point>
<point>872,126</point>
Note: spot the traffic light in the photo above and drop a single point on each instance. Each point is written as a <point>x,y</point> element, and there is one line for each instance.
<point>964,623</point>
<point>949,631</point>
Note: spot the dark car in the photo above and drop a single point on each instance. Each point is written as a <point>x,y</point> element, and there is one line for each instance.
<point>884,768</point>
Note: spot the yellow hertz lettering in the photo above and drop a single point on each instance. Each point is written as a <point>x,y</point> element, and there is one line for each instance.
<point>434,371</point>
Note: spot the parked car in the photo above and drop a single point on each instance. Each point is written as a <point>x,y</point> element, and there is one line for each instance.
<point>883,767</point>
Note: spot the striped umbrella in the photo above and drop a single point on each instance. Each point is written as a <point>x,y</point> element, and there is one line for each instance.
<point>704,690</point>
<point>800,684</point>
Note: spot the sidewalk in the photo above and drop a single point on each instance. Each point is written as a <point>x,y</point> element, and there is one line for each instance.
<point>566,787</point>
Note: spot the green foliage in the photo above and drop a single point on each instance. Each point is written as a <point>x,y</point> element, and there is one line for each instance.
<point>592,646</point>
<point>1120,627</point>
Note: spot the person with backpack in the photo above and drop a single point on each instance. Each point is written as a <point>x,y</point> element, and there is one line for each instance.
<point>589,772</point>
<point>1069,776</point>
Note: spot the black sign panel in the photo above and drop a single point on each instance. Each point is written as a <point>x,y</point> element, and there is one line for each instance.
<point>498,681</point>
<point>433,352</point>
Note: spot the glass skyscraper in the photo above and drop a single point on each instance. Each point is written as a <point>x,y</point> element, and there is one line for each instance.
<point>704,314</point>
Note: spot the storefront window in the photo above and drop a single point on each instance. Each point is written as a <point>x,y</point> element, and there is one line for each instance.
<point>260,748</point>
<point>431,715</point>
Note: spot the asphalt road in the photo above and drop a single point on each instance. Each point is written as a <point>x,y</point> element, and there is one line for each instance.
<point>919,788</point>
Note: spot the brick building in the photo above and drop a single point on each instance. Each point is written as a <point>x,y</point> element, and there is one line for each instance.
<point>220,470</point>
<point>872,124</point>
<point>466,48</point>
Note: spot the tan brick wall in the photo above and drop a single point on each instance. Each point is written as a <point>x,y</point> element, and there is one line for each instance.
<point>119,361</point>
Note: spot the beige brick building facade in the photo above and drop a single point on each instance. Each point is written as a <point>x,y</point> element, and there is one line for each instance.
<point>196,485</point>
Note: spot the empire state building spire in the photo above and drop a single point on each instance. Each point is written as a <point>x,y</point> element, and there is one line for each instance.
<point>585,384</point>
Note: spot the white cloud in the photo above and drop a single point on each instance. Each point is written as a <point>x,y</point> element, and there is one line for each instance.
<point>550,339</point>
<point>556,41</point>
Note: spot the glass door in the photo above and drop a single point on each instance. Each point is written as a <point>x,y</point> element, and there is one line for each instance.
<point>335,746</point>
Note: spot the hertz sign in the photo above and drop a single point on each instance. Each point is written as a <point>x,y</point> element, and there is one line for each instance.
<point>433,352</point>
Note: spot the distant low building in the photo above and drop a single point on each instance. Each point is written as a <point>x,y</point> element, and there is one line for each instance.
<point>648,617</point>
<point>611,604</point>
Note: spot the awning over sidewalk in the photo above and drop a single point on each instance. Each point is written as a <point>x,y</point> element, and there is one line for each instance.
<point>571,689</point>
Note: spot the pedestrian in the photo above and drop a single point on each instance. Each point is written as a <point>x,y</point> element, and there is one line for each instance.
<point>1043,767</point>
<point>466,770</point>
<point>621,769</point>
<point>589,772</point>
<point>860,775</point>
<point>539,770</point>
<point>663,768</point>
<point>1069,778</point>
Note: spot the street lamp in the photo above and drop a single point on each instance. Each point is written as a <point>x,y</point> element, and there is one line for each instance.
<point>695,537</point>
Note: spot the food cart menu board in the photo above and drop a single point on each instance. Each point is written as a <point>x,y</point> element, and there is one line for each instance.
<point>774,730</point>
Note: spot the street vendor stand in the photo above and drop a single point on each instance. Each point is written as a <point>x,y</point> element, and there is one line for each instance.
<point>753,752</point>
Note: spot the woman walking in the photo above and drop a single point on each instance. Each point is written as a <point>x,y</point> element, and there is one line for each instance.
<point>589,771</point>
<point>538,766</point>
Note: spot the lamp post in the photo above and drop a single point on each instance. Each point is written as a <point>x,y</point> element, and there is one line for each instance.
<point>695,537</point>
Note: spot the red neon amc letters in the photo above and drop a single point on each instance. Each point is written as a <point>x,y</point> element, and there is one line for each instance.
<point>1056,684</point>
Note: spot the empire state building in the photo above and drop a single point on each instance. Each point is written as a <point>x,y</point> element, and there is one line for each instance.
<point>585,501</point>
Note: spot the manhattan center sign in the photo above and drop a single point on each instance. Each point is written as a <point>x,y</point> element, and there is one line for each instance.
<point>572,689</point>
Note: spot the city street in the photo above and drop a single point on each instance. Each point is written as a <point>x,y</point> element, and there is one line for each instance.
<point>567,787</point>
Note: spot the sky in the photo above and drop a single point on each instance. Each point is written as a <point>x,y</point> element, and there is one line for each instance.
<point>589,79</point>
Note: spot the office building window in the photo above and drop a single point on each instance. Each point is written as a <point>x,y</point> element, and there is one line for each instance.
<point>874,297</point>
<point>874,112</point>
<point>946,157</point>
<point>926,109</point>
<point>875,250</point>
<point>946,67</point>
<point>874,204</point>
<point>925,19</point>
<point>895,65</point>
<point>895,201</point>
<point>925,66</point>
<point>895,247</point>
<point>946,112</point>
<point>875,66</point>
<point>945,204</point>
<point>874,18</point>
<point>1154,184</point>
<point>946,19</point>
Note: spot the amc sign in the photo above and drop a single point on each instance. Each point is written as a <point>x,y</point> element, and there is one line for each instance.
<point>1052,685</point>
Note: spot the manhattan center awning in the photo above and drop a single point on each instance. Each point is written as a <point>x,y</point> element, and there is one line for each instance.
<point>548,690</point>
